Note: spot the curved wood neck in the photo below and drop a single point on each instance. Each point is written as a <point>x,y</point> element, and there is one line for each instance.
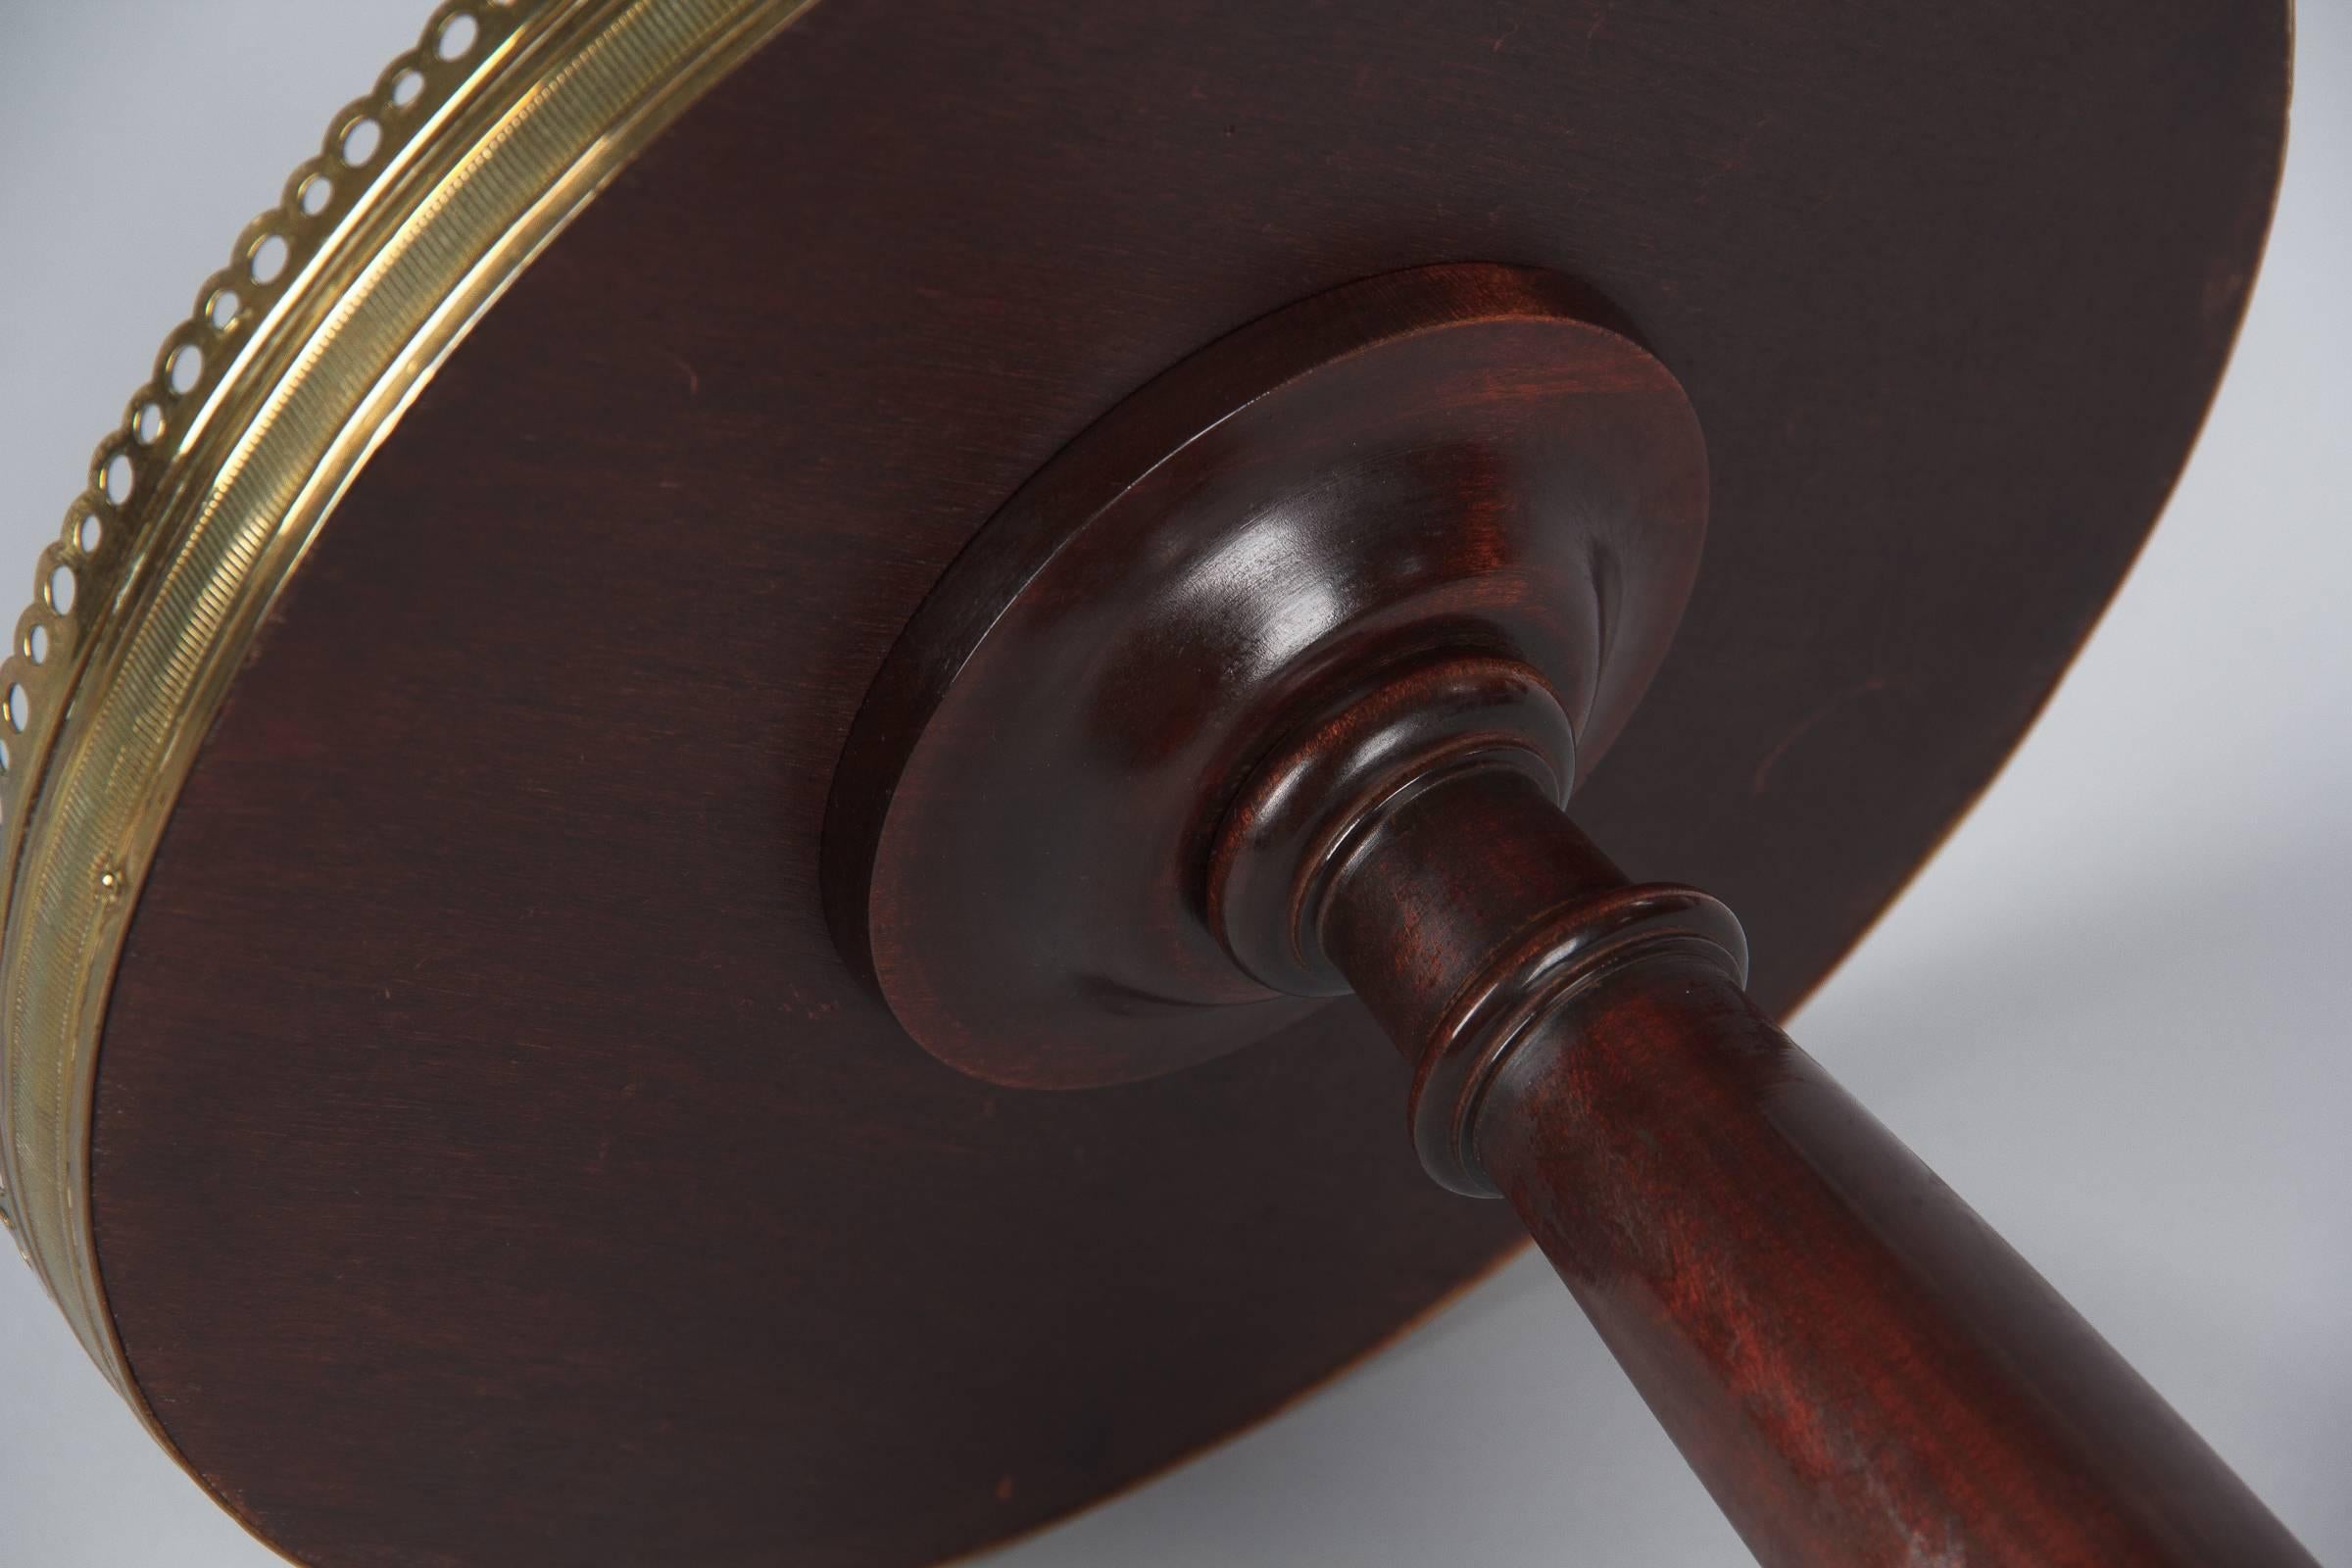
<point>1858,1367</point>
<point>1274,685</point>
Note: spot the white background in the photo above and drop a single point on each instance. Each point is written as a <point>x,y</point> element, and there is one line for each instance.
<point>2112,1011</point>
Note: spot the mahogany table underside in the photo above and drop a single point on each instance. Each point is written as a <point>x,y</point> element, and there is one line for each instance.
<point>495,1164</point>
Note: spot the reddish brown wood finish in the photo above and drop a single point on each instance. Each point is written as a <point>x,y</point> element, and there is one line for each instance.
<point>1860,1370</point>
<point>495,1163</point>
<point>1858,1367</point>
<point>1289,659</point>
<point>1455,458</point>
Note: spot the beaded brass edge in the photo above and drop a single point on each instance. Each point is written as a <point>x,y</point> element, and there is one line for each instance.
<point>429,196</point>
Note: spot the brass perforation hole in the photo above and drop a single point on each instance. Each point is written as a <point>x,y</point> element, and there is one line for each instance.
<point>359,142</point>
<point>268,258</point>
<point>456,36</point>
<point>186,367</point>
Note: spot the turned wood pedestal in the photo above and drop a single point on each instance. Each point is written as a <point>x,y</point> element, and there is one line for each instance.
<point>745,780</point>
<point>1275,684</point>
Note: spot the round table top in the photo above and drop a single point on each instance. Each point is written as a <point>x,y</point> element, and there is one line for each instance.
<point>484,1115</point>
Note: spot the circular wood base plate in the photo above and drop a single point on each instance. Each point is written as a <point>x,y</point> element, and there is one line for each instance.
<point>1446,458</point>
<point>494,1162</point>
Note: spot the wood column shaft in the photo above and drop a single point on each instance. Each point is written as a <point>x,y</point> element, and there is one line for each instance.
<point>1857,1367</point>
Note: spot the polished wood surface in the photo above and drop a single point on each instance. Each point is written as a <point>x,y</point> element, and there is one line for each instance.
<point>1469,457</point>
<point>1861,1371</point>
<point>1858,1367</point>
<point>484,1118</point>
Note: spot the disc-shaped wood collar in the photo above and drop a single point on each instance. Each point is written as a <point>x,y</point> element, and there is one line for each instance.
<point>494,1162</point>
<point>1450,457</point>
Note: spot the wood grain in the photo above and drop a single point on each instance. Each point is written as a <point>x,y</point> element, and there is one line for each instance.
<point>1456,457</point>
<point>495,1164</point>
<point>1858,1367</point>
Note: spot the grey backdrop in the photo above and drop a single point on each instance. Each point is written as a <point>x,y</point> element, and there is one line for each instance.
<point>2111,1012</point>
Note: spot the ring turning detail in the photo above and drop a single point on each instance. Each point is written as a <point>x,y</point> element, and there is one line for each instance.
<point>987,572</point>
<point>1273,687</point>
<point>1341,868</point>
<point>1462,496</point>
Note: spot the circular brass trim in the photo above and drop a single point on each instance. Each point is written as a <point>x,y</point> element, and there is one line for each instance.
<point>428,197</point>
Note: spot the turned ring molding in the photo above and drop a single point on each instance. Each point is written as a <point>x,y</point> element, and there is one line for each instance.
<point>1469,467</point>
